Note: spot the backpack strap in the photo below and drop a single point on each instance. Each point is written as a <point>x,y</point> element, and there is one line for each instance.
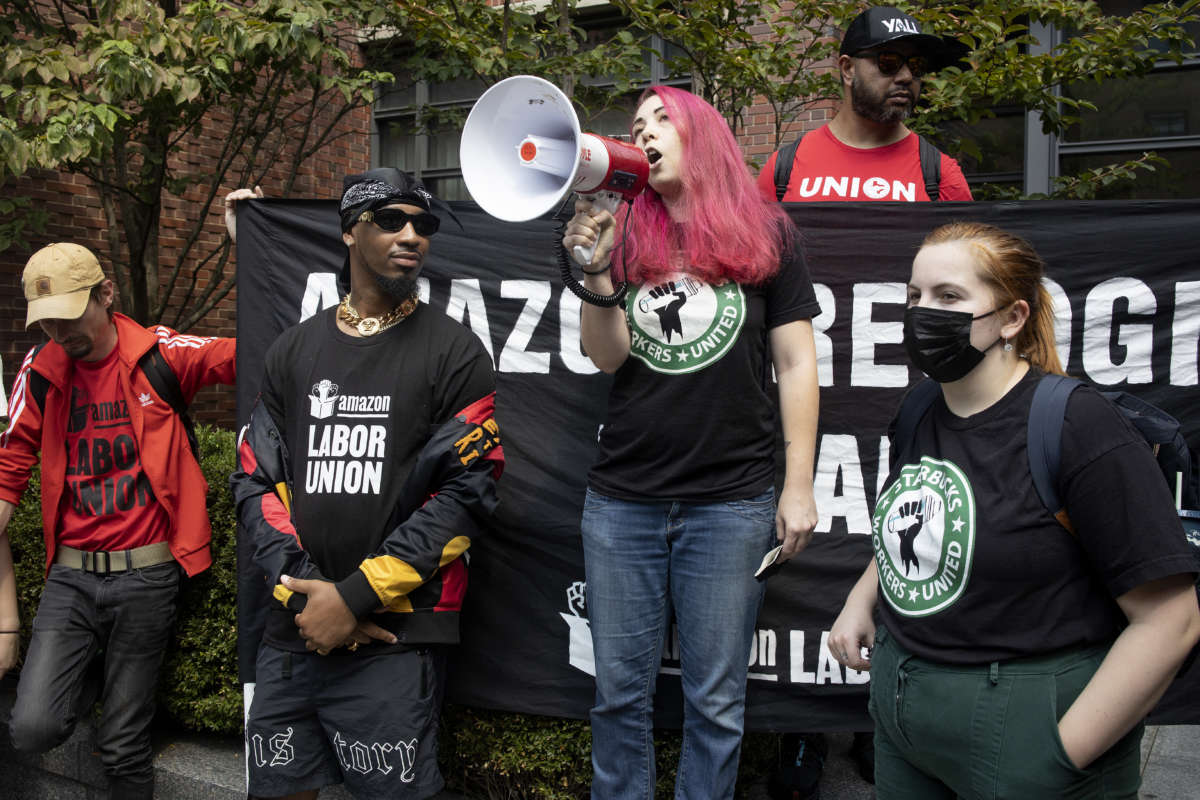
<point>784,159</point>
<point>165,383</point>
<point>913,408</point>
<point>1044,440</point>
<point>931,167</point>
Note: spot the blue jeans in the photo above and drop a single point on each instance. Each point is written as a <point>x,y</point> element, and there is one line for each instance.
<point>128,615</point>
<point>642,560</point>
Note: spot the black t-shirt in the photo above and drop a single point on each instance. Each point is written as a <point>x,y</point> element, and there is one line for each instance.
<point>355,413</point>
<point>972,566</point>
<point>689,417</point>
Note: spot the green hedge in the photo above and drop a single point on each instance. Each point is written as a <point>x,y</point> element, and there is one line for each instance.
<point>484,753</point>
<point>499,755</point>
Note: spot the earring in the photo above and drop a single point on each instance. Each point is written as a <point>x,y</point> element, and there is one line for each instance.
<point>1007,346</point>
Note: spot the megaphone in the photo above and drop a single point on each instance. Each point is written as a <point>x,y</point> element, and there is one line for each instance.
<point>522,152</point>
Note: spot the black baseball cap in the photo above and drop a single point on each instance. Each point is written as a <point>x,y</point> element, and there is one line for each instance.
<point>880,25</point>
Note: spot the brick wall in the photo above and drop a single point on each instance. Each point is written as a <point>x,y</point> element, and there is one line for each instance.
<point>757,137</point>
<point>76,215</point>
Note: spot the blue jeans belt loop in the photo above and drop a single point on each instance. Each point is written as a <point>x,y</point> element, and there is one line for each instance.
<point>104,562</point>
<point>994,673</point>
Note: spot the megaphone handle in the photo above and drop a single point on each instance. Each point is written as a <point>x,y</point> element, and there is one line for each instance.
<point>605,201</point>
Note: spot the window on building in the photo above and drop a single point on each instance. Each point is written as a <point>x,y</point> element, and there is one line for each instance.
<point>418,125</point>
<point>1159,112</point>
<point>1000,140</point>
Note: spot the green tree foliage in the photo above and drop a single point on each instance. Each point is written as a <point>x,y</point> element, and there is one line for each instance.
<point>119,91</point>
<point>126,92</point>
<point>781,53</point>
<point>1010,65</point>
<point>445,41</point>
<point>737,52</point>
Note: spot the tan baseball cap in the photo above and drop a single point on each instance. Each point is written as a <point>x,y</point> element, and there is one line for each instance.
<point>58,280</point>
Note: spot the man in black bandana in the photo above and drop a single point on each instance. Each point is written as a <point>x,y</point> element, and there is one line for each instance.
<point>367,467</point>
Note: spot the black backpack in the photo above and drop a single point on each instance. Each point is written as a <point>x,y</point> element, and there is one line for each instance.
<point>162,379</point>
<point>931,167</point>
<point>1044,438</point>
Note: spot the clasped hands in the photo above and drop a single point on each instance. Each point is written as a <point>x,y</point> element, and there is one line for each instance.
<point>327,622</point>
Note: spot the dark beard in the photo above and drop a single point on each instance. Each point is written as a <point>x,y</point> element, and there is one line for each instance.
<point>399,289</point>
<point>876,109</point>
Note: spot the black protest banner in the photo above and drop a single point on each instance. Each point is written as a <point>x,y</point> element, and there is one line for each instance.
<point>1125,284</point>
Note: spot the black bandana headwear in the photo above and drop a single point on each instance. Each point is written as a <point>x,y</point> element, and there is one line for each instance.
<point>379,187</point>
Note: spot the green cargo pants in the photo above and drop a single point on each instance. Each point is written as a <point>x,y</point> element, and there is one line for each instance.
<point>987,732</point>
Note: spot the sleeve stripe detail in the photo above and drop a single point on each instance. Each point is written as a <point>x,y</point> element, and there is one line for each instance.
<point>454,587</point>
<point>453,549</point>
<point>282,593</point>
<point>285,496</point>
<point>19,397</point>
<point>480,410</point>
<point>401,605</point>
<point>391,579</point>
<point>171,339</point>
<point>246,456</point>
<point>275,515</point>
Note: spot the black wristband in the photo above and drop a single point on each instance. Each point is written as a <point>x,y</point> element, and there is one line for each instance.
<point>600,271</point>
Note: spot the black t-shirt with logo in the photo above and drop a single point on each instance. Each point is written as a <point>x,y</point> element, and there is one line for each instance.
<point>355,413</point>
<point>689,417</point>
<point>972,566</point>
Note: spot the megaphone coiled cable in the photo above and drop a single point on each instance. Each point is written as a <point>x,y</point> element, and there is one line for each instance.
<point>571,282</point>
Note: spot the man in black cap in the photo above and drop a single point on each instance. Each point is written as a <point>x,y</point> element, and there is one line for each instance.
<point>368,465</point>
<point>866,152</point>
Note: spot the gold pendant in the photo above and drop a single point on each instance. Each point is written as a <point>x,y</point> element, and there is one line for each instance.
<point>368,326</point>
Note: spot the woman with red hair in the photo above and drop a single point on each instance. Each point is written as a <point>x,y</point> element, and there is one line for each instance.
<point>681,505</point>
<point>1013,651</point>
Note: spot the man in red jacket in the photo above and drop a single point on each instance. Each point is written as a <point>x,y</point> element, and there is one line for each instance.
<point>123,508</point>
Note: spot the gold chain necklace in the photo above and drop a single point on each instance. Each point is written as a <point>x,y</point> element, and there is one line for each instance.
<point>369,326</point>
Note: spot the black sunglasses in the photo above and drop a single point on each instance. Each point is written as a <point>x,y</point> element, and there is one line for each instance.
<point>890,62</point>
<point>394,220</point>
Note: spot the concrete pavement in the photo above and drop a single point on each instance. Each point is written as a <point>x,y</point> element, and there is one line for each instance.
<point>195,767</point>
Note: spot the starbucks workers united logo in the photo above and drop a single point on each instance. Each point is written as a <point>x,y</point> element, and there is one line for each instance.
<point>923,534</point>
<point>684,325</point>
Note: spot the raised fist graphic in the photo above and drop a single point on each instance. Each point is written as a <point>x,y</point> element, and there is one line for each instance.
<point>577,598</point>
<point>906,522</point>
<point>665,300</point>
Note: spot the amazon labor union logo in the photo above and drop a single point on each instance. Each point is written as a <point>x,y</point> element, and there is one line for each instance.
<point>923,533</point>
<point>684,325</point>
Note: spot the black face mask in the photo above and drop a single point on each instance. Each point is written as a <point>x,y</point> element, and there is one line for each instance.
<point>939,342</point>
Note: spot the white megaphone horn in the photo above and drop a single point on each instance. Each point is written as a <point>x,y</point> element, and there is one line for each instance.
<point>522,152</point>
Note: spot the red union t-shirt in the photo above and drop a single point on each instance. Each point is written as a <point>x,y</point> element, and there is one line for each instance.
<point>826,170</point>
<point>107,502</point>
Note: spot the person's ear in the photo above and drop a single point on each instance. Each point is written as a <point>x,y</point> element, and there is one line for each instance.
<point>1014,318</point>
<point>846,67</point>
<point>107,294</point>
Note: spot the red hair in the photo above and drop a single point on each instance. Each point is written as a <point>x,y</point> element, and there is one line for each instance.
<point>1013,270</point>
<point>731,232</point>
